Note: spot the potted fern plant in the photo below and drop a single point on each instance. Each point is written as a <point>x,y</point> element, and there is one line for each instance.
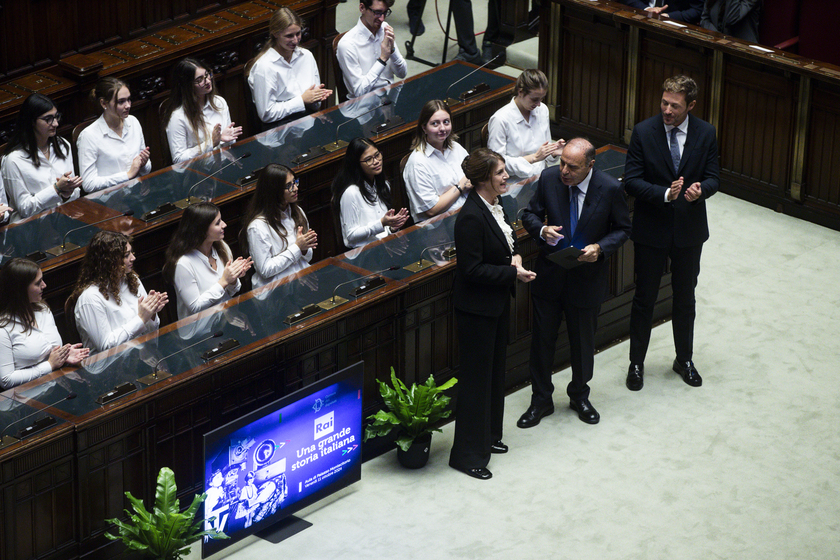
<point>412,411</point>
<point>164,533</point>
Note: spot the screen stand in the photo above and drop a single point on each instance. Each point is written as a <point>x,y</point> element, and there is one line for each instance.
<point>289,527</point>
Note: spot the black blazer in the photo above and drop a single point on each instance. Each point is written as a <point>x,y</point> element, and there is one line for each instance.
<point>484,278</point>
<point>680,10</point>
<point>649,172</point>
<point>604,219</point>
<point>738,18</point>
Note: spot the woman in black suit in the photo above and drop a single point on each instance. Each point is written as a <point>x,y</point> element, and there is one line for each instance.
<point>487,269</point>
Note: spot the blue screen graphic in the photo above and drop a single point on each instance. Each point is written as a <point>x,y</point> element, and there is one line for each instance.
<point>292,456</point>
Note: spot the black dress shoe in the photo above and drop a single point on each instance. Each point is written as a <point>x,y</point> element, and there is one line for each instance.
<point>635,377</point>
<point>498,447</point>
<point>688,373</point>
<point>481,473</point>
<point>586,412</point>
<point>533,415</point>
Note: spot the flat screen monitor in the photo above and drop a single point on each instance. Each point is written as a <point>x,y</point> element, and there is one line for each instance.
<point>265,466</point>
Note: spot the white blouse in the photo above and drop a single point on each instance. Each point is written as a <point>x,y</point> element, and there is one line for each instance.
<point>105,157</point>
<point>361,221</point>
<point>277,85</point>
<point>4,217</point>
<point>430,173</point>
<point>23,356</point>
<point>275,256</point>
<point>103,324</point>
<point>183,142</point>
<point>357,54</point>
<point>31,189</point>
<point>198,285</point>
<point>510,135</point>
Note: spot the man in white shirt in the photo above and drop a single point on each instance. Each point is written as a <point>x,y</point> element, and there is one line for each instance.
<point>368,53</point>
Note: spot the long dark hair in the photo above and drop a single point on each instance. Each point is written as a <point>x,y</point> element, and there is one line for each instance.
<point>104,267</point>
<point>183,95</point>
<point>269,203</point>
<point>351,174</point>
<point>15,279</point>
<point>24,135</point>
<point>190,235</point>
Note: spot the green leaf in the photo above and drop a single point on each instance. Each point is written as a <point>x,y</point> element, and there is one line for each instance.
<point>166,492</point>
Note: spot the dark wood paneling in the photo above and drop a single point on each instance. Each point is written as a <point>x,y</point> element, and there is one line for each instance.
<point>823,155</point>
<point>663,57</point>
<point>757,126</point>
<point>590,85</point>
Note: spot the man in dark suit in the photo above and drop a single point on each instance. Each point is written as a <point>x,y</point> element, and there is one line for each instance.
<point>672,168</point>
<point>680,10</point>
<point>586,209</point>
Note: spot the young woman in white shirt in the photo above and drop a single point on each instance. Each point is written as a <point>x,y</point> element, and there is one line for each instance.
<point>284,79</point>
<point>112,150</point>
<point>199,263</point>
<point>197,120</point>
<point>38,166</point>
<point>277,235</point>
<point>433,177</point>
<point>520,133</point>
<point>109,303</point>
<point>361,195</point>
<point>30,345</point>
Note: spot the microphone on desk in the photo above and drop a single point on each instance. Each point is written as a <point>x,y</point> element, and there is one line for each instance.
<point>67,247</point>
<point>479,88</point>
<point>423,264</point>
<point>191,199</point>
<point>36,426</point>
<point>158,374</point>
<point>338,144</point>
<point>335,301</point>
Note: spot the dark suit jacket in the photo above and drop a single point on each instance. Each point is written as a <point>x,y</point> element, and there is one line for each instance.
<point>649,172</point>
<point>604,220</point>
<point>680,10</point>
<point>738,18</point>
<point>484,278</point>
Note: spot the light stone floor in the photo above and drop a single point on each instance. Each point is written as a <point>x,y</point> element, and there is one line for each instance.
<point>746,467</point>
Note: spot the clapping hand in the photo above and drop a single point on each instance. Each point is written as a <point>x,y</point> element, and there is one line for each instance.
<point>151,304</point>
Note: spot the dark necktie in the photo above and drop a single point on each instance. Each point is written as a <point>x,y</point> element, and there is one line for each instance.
<point>675,150</point>
<point>658,4</point>
<point>573,209</point>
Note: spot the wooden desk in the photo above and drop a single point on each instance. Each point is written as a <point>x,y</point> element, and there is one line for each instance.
<point>281,145</point>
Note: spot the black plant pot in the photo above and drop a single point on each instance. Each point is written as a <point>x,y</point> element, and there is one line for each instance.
<point>418,454</point>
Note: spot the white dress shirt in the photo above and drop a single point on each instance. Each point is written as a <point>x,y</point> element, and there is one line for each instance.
<point>361,221</point>
<point>4,217</point>
<point>428,174</point>
<point>183,142</point>
<point>681,137</point>
<point>103,324</point>
<point>357,54</point>
<point>513,137</point>
<point>276,85</point>
<point>31,189</point>
<point>105,157</point>
<point>198,285</point>
<point>23,356</point>
<point>274,255</point>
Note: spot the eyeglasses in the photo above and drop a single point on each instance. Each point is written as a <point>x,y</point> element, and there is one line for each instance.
<point>380,13</point>
<point>49,119</point>
<point>201,79</point>
<point>293,185</point>
<point>375,157</point>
